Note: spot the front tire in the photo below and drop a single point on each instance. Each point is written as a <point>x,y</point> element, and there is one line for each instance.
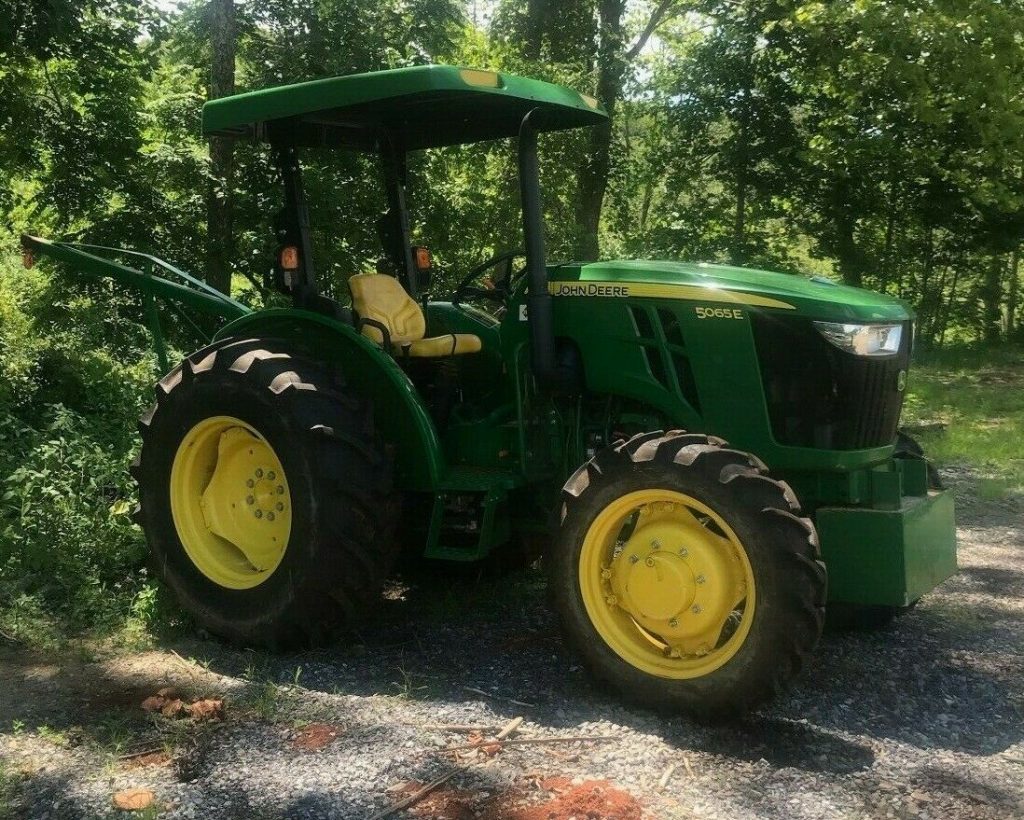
<point>264,495</point>
<point>684,576</point>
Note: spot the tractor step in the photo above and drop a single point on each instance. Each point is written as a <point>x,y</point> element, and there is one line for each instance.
<point>470,513</point>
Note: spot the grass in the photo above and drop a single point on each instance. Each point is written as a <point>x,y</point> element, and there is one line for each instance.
<point>966,406</point>
<point>10,789</point>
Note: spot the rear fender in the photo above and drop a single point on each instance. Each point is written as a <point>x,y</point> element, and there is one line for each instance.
<point>400,416</point>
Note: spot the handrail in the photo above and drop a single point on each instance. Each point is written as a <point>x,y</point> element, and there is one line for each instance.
<point>200,296</point>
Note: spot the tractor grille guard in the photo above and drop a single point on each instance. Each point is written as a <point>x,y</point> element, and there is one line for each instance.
<point>822,397</point>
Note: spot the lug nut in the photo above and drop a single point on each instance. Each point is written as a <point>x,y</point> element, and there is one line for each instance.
<point>633,559</point>
<point>606,574</point>
<point>649,562</point>
<point>683,551</point>
<point>271,475</point>
<point>696,610</point>
<point>250,500</point>
<point>280,490</point>
<point>611,600</point>
<point>280,507</point>
<point>250,483</point>
<point>655,544</point>
<point>700,579</point>
<point>258,513</point>
<point>673,623</point>
<point>270,516</point>
<point>259,472</point>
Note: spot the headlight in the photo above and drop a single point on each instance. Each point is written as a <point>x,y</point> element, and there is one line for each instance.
<point>863,340</point>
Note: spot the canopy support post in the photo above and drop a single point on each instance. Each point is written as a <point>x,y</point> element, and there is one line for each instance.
<point>303,283</point>
<point>397,231</point>
<point>538,300</point>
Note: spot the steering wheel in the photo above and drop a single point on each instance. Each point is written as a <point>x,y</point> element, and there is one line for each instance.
<point>466,290</point>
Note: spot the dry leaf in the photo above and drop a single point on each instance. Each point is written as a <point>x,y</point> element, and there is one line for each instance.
<point>168,692</point>
<point>207,709</point>
<point>154,703</point>
<point>173,708</point>
<point>133,799</point>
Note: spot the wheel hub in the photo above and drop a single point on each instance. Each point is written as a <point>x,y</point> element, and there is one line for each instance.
<point>230,502</point>
<point>669,576</point>
<point>659,587</point>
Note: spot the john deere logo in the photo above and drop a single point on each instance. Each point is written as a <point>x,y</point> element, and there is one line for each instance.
<point>901,380</point>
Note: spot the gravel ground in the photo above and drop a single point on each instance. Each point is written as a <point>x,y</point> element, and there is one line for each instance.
<point>924,719</point>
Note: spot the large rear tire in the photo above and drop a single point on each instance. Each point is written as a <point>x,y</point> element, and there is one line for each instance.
<point>684,576</point>
<point>265,497</point>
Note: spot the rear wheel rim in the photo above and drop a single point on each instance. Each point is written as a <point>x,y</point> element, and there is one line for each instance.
<point>667,584</point>
<point>230,502</point>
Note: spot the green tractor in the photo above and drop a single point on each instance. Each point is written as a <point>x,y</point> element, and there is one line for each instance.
<point>690,445</point>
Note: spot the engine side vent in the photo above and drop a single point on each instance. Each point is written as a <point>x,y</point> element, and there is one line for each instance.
<point>670,324</point>
<point>660,336</point>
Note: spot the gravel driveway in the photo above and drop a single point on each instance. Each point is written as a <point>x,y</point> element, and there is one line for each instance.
<point>923,719</point>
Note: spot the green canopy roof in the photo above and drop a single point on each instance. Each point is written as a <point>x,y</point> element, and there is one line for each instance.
<point>418,107</point>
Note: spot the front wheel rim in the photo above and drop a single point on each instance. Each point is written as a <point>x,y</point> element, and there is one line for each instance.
<point>667,584</point>
<point>230,502</point>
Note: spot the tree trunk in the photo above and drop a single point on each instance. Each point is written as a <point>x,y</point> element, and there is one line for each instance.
<point>739,226</point>
<point>939,327</point>
<point>890,230</point>
<point>847,252</point>
<point>592,177</point>
<point>1013,295</point>
<point>219,239</point>
<point>991,299</point>
<point>536,17</point>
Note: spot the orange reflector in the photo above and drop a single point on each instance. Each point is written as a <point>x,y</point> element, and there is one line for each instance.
<point>289,257</point>
<point>486,79</point>
<point>27,259</point>
<point>422,258</point>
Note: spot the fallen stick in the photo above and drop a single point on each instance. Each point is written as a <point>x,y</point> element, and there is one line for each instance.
<point>476,691</point>
<point>668,774</point>
<point>415,796</point>
<point>143,753</point>
<point>453,727</point>
<point>510,729</point>
<point>524,741</point>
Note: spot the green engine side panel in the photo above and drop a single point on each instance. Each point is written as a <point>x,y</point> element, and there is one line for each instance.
<point>888,557</point>
<point>400,416</point>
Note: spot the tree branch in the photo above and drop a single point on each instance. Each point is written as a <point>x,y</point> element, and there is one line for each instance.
<point>664,10</point>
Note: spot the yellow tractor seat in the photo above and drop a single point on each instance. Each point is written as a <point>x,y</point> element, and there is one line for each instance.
<point>386,310</point>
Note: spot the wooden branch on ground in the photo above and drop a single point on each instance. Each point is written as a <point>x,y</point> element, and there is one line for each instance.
<point>525,741</point>
<point>415,796</point>
<point>510,728</point>
<point>143,753</point>
<point>453,727</point>
<point>476,691</point>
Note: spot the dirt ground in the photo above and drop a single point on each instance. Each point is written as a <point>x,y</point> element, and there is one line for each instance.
<point>924,719</point>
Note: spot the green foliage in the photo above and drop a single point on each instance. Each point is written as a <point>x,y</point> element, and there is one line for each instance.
<point>969,405</point>
<point>73,379</point>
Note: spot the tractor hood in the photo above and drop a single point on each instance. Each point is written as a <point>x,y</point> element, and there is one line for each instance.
<point>815,297</point>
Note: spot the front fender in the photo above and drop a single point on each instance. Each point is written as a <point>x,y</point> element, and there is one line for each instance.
<point>400,416</point>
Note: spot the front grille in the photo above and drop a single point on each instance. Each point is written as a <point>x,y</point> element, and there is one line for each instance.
<point>820,396</point>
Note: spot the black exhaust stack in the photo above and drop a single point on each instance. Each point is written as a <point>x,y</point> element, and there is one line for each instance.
<point>538,301</point>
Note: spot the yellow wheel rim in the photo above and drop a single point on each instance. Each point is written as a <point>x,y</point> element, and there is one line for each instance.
<point>230,502</point>
<point>667,584</point>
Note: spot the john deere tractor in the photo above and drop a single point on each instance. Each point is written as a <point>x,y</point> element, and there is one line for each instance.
<point>693,447</point>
